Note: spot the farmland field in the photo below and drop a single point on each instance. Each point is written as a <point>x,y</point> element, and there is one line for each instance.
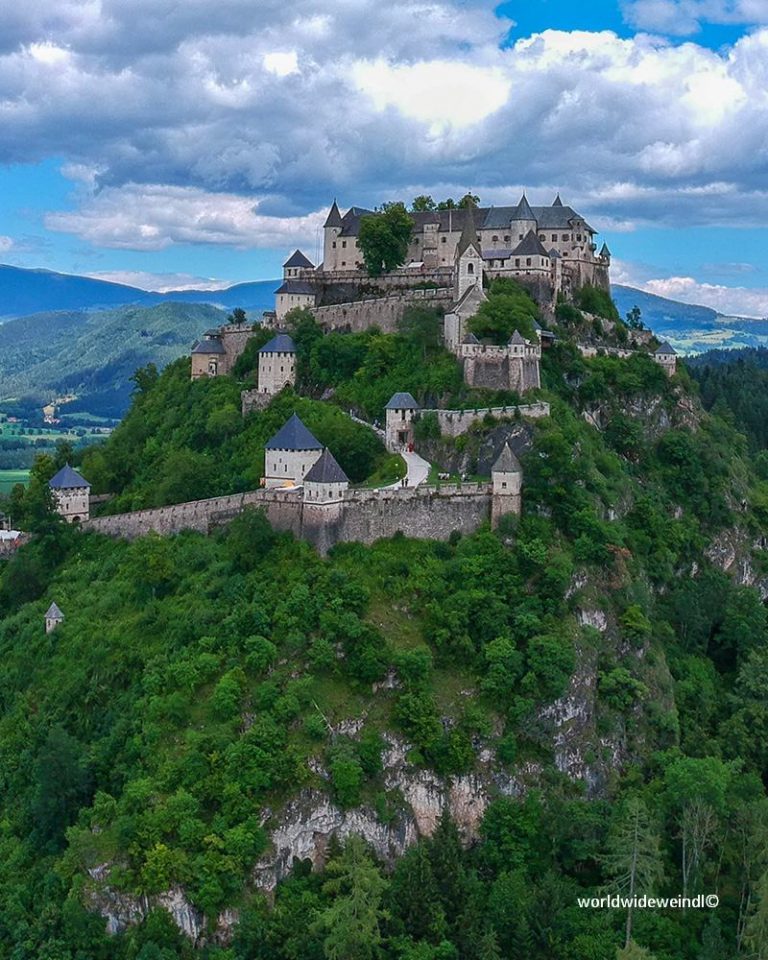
<point>9,478</point>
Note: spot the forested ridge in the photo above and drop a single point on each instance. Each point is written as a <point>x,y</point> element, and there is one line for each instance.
<point>590,666</point>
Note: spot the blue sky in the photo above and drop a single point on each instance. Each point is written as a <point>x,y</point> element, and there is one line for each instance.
<point>164,144</point>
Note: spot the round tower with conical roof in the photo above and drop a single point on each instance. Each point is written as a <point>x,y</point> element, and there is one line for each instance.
<point>522,221</point>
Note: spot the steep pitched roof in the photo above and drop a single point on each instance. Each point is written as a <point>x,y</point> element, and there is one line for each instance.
<point>53,613</point>
<point>67,479</point>
<point>334,216</point>
<point>293,435</point>
<point>468,236</point>
<point>402,401</point>
<point>531,246</point>
<point>517,337</point>
<point>296,286</point>
<point>523,210</point>
<point>604,251</point>
<point>326,470</point>
<point>473,292</point>
<point>297,259</point>
<point>667,348</point>
<point>208,346</point>
<point>282,343</point>
<point>557,201</point>
<point>470,338</point>
<point>506,462</point>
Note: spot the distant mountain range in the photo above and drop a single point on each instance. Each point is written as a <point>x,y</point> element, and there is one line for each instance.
<point>94,353</point>
<point>688,327</point>
<point>24,292</point>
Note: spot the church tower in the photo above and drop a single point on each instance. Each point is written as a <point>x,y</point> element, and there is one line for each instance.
<point>469,258</point>
<point>331,231</point>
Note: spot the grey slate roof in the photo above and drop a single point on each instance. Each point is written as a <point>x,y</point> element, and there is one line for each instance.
<point>470,338</point>
<point>402,401</point>
<point>557,202</point>
<point>468,236</point>
<point>326,470</point>
<point>293,435</point>
<point>492,254</point>
<point>604,251</point>
<point>667,348</point>
<point>53,613</point>
<point>507,462</point>
<point>296,286</point>
<point>67,479</point>
<point>282,343</point>
<point>334,216</point>
<point>517,337</point>
<point>523,210</point>
<point>350,222</point>
<point>531,246</point>
<point>297,259</point>
<point>214,345</point>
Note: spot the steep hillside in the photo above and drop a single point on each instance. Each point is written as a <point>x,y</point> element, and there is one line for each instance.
<point>94,354</point>
<point>461,738</point>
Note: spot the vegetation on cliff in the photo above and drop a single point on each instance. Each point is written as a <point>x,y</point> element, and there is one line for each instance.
<point>600,677</point>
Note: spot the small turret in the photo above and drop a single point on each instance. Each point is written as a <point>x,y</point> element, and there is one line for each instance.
<point>400,411</point>
<point>325,481</point>
<point>71,494</point>
<point>557,202</point>
<point>334,216</point>
<point>605,253</point>
<point>53,618</point>
<point>507,481</point>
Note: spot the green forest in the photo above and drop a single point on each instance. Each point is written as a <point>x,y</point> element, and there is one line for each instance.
<point>589,669</point>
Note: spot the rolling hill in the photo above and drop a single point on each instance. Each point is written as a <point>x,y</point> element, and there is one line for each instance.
<point>24,292</point>
<point>95,353</point>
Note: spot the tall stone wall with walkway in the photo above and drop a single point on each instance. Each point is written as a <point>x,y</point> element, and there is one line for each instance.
<point>364,516</point>
<point>455,422</point>
<point>383,312</point>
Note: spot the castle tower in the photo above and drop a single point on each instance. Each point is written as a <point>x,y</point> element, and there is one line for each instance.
<point>666,356</point>
<point>296,264</point>
<point>71,494</point>
<point>331,231</point>
<point>401,410</point>
<point>605,254</point>
<point>208,355</point>
<point>325,482</point>
<point>468,269</point>
<point>289,454</point>
<point>507,481</point>
<point>277,364</point>
<point>522,221</point>
<point>53,618</point>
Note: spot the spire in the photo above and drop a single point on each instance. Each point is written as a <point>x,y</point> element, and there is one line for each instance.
<point>523,211</point>
<point>468,236</point>
<point>334,216</point>
<point>605,252</point>
<point>558,202</point>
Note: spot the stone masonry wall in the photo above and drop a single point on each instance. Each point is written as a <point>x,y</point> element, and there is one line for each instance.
<point>364,515</point>
<point>455,422</point>
<point>382,312</point>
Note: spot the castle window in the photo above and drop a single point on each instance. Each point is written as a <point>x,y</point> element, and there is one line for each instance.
<point>554,237</point>
<point>443,239</point>
<point>344,244</point>
<point>528,262</point>
<point>503,484</point>
<point>495,239</point>
<point>578,236</point>
<point>565,236</point>
<point>520,236</point>
<point>542,236</point>
<point>517,261</point>
<point>334,244</point>
<point>470,268</point>
<point>507,238</point>
<point>343,263</point>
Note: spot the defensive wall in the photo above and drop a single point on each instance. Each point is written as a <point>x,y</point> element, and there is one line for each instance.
<point>426,512</point>
<point>383,312</point>
<point>455,422</point>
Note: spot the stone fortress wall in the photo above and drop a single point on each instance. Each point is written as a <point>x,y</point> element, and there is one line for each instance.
<point>455,422</point>
<point>383,312</point>
<point>363,516</point>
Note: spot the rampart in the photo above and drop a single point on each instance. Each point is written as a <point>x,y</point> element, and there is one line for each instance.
<point>455,422</point>
<point>431,513</point>
<point>383,312</point>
